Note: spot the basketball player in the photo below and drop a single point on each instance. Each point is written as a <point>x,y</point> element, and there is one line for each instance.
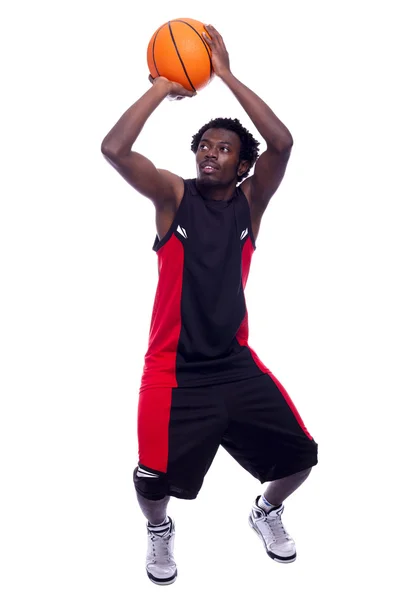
<point>202,385</point>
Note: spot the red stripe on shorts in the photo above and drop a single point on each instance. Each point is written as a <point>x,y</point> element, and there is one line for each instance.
<point>153,422</point>
<point>290,403</point>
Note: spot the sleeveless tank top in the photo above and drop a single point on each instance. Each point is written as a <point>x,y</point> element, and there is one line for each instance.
<point>199,328</point>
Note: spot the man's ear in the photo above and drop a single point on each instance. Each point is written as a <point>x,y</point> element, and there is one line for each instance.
<point>243,166</point>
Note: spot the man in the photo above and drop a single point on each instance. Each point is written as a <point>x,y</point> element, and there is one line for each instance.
<point>202,385</point>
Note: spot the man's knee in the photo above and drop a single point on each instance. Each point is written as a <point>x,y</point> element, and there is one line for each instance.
<point>301,475</point>
<point>306,472</point>
<point>152,486</point>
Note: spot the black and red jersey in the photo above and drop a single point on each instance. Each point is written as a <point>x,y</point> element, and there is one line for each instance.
<point>199,328</point>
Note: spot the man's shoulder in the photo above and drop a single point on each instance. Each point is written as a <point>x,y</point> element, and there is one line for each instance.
<point>190,185</point>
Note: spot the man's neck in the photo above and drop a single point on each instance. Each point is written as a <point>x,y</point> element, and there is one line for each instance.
<point>216,192</point>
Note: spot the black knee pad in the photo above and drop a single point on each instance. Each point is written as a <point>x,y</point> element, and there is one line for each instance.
<point>154,487</point>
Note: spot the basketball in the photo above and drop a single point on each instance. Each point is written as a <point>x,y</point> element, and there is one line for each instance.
<point>179,52</point>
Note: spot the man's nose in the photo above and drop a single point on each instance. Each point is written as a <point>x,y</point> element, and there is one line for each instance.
<point>212,153</point>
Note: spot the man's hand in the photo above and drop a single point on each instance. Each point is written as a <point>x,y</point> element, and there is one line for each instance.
<point>176,91</point>
<point>219,53</point>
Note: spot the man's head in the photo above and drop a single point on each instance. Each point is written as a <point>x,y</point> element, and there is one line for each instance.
<point>225,152</point>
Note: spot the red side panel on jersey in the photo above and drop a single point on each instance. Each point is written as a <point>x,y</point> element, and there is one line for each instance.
<point>243,336</point>
<point>160,359</point>
<point>247,254</point>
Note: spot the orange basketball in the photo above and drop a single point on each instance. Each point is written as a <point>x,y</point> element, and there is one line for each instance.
<point>178,51</point>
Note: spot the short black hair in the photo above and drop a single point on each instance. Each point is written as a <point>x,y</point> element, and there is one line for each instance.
<point>248,144</point>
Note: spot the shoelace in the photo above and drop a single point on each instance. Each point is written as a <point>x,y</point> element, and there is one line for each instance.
<point>277,529</point>
<point>162,543</point>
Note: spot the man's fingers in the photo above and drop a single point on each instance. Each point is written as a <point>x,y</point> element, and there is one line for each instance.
<point>207,34</point>
<point>212,36</point>
<point>212,31</point>
<point>208,40</point>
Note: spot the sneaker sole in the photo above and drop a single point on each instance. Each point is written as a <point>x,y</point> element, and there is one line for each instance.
<point>280,559</point>
<point>158,581</point>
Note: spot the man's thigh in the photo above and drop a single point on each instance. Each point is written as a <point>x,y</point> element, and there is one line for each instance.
<point>266,434</point>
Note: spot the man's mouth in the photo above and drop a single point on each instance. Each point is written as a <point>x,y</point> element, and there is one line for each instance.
<point>209,167</point>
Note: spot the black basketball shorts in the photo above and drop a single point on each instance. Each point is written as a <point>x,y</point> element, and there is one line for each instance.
<point>181,429</point>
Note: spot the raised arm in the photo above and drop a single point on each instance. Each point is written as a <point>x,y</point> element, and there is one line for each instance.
<point>162,187</point>
<point>271,165</point>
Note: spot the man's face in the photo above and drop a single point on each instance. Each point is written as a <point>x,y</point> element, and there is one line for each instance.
<point>217,157</point>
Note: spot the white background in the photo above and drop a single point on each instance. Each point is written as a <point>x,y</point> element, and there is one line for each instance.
<point>78,278</point>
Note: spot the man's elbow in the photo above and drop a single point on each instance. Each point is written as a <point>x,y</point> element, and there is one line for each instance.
<point>107,150</point>
<point>285,144</point>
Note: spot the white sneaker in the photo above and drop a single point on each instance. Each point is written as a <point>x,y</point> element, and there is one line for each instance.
<point>268,526</point>
<point>160,565</point>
